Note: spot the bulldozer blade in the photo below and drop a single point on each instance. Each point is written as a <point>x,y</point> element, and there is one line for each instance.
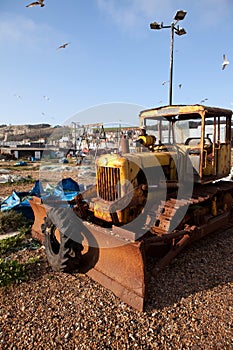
<point>40,212</point>
<point>115,263</point>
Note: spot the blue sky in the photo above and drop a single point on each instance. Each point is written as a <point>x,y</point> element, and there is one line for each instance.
<point>113,59</point>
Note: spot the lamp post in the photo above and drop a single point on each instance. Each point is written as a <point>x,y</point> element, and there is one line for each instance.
<point>179,16</point>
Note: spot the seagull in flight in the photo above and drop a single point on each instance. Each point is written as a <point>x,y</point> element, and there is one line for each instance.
<point>225,62</point>
<point>63,46</point>
<point>18,96</point>
<point>36,3</point>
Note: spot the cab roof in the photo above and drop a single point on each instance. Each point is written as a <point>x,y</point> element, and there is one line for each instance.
<point>184,111</point>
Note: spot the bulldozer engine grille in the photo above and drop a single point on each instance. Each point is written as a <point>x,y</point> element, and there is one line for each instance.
<point>108,182</point>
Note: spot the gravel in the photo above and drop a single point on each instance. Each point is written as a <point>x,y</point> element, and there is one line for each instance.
<point>189,306</point>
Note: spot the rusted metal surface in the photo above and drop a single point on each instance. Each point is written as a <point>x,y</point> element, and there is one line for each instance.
<point>126,234</point>
<point>169,111</point>
<point>108,183</point>
<point>40,213</point>
<point>111,261</point>
<point>188,236</point>
<point>117,265</point>
<point>116,257</point>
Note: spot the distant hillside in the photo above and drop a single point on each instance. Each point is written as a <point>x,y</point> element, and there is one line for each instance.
<point>33,132</point>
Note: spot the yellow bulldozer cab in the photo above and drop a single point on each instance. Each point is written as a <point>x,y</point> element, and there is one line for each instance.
<point>202,132</point>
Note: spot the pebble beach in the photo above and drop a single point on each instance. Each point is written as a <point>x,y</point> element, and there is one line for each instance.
<point>189,305</point>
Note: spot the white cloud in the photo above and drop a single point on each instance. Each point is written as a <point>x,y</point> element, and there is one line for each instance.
<point>120,14</point>
<point>151,8</point>
<point>211,12</point>
<point>132,13</point>
<point>20,31</point>
<point>14,29</point>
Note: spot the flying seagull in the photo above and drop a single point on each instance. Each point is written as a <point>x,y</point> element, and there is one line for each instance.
<point>18,96</point>
<point>63,46</point>
<point>204,100</point>
<point>36,3</point>
<point>225,62</point>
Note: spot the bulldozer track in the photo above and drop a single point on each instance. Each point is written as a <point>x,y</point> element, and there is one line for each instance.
<point>181,237</point>
<point>161,220</point>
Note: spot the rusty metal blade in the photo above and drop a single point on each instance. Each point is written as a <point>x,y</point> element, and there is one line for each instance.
<point>40,213</point>
<point>115,263</point>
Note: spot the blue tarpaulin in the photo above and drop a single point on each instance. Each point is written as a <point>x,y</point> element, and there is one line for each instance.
<point>37,189</point>
<point>18,201</point>
<point>65,190</point>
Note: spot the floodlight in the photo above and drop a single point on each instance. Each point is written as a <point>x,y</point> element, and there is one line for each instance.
<point>180,15</point>
<point>156,25</point>
<point>181,31</point>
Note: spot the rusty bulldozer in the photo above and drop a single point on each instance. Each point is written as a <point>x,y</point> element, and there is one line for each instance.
<point>153,202</point>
